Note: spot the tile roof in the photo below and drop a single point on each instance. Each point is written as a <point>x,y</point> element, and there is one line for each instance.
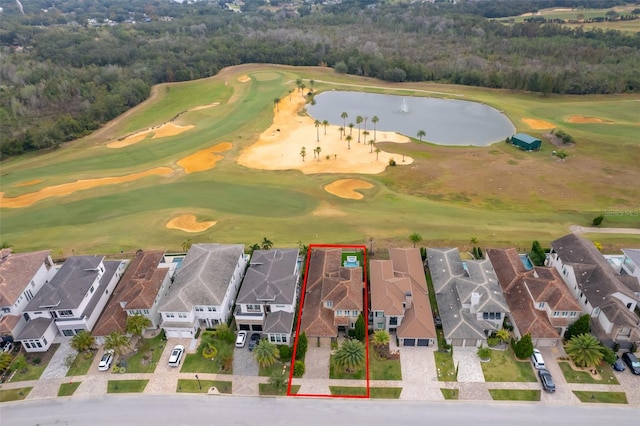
<point>203,277</point>
<point>8,324</point>
<point>16,272</point>
<point>271,277</point>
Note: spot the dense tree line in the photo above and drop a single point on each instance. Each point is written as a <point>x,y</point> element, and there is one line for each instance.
<point>62,78</point>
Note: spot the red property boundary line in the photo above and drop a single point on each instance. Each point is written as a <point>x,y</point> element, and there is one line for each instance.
<point>365,315</point>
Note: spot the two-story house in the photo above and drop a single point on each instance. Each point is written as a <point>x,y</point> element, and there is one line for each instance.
<point>334,295</point>
<point>204,289</point>
<point>470,300</point>
<point>22,275</point>
<point>399,298</point>
<point>138,293</point>
<point>71,301</point>
<point>267,299</point>
<point>610,298</point>
<point>631,263</point>
<point>540,303</point>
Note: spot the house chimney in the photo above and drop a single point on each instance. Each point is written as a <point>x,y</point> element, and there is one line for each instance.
<point>408,299</point>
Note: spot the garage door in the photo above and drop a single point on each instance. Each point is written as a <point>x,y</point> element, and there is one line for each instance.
<point>423,342</point>
<point>408,342</point>
<point>257,327</point>
<point>172,333</point>
<point>245,327</point>
<point>186,334</point>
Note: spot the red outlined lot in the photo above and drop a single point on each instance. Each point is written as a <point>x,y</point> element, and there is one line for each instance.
<point>365,314</point>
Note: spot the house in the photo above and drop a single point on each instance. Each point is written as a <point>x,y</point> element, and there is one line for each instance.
<point>399,298</point>
<point>267,299</point>
<point>631,263</point>
<point>333,297</point>
<point>138,293</point>
<point>470,300</point>
<point>22,275</point>
<point>526,142</point>
<point>71,301</point>
<point>540,304</point>
<point>609,297</point>
<point>204,289</point>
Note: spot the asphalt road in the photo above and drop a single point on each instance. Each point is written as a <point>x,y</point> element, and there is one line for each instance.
<point>230,410</point>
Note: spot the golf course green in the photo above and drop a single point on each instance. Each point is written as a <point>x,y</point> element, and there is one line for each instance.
<point>89,197</point>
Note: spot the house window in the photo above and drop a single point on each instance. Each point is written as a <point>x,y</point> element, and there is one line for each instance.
<point>79,330</point>
<point>211,309</point>
<point>38,344</point>
<point>339,312</point>
<point>182,315</point>
<point>146,312</point>
<point>67,332</point>
<point>91,289</point>
<point>556,313</point>
<point>541,305</point>
<point>170,315</point>
<point>573,314</point>
<point>66,313</point>
<point>379,314</point>
<point>27,345</point>
<point>44,340</point>
<point>33,284</point>
<point>328,304</point>
<point>199,309</point>
<point>393,321</point>
<point>492,315</point>
<point>280,306</point>
<point>253,308</point>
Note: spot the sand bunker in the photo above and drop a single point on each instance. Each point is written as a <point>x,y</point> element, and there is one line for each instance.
<point>26,200</point>
<point>188,223</point>
<point>161,131</point>
<point>198,108</point>
<point>28,182</point>
<point>581,119</point>
<point>538,124</point>
<point>244,79</point>
<point>346,188</point>
<point>204,159</point>
<point>279,147</point>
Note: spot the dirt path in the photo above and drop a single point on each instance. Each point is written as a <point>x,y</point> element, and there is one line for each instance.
<point>591,230</point>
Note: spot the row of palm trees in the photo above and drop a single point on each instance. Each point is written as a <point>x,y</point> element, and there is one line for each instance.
<point>116,341</point>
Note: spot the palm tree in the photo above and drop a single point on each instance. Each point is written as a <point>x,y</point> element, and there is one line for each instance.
<point>378,150</point>
<point>278,380</point>
<point>380,338</point>
<point>303,152</point>
<point>503,335</point>
<point>474,240</point>
<point>371,142</point>
<point>317,124</point>
<point>225,357</point>
<point>117,342</point>
<point>290,91</point>
<point>312,82</point>
<point>344,116</point>
<point>186,245</point>
<point>5,360</point>
<point>351,356</point>
<point>83,341</point>
<point>275,102</point>
<point>137,324</point>
<point>415,238</point>
<point>585,350</point>
<point>348,138</point>
<point>365,133</point>
<point>254,248</point>
<point>351,128</point>
<point>266,353</point>
<point>421,134</point>
<point>302,87</point>
<point>266,243</point>
<point>298,83</point>
<point>374,120</point>
<point>341,130</point>
<point>317,151</point>
<point>325,123</point>
<point>358,122</point>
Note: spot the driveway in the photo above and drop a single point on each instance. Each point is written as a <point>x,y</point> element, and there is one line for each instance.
<point>419,375</point>
<point>243,362</point>
<point>467,362</point>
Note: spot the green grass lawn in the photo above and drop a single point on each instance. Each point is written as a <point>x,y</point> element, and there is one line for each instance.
<point>32,372</point>
<point>277,366</point>
<point>450,393</point>
<point>67,389</point>
<point>602,397</point>
<point>514,395</point>
<point>348,390</point>
<point>337,373</point>
<point>573,376</point>
<point>385,393</point>
<point>378,392</point>
<point>196,363</point>
<point>191,386</point>
<point>383,369</point>
<point>267,389</point>
<point>503,367</point>
<point>445,367</point>
<point>19,394</point>
<point>126,386</point>
<point>81,364</point>
<point>147,356</point>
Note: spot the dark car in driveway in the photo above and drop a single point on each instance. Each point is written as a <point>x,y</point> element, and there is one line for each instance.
<point>254,340</point>
<point>546,380</point>
<point>618,365</point>
<point>632,362</point>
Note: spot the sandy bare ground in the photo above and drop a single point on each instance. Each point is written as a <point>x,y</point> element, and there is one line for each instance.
<point>591,230</point>
<point>28,182</point>
<point>538,124</point>
<point>204,159</point>
<point>279,147</point>
<point>346,188</point>
<point>161,131</point>
<point>198,108</point>
<point>26,200</point>
<point>188,223</point>
<point>244,79</point>
<point>581,119</point>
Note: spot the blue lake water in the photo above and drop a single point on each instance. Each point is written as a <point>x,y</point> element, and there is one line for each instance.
<point>445,121</point>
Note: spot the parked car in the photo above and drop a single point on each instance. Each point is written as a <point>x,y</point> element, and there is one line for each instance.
<point>241,339</point>
<point>106,360</point>
<point>546,380</point>
<point>632,361</point>
<point>6,343</point>
<point>618,365</point>
<point>176,356</point>
<point>254,340</point>
<point>537,360</point>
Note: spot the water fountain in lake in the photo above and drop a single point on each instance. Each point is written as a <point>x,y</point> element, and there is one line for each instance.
<point>404,108</point>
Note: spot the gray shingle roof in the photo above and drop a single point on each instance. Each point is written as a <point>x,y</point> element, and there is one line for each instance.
<point>35,328</point>
<point>204,277</point>
<point>279,322</point>
<point>270,277</point>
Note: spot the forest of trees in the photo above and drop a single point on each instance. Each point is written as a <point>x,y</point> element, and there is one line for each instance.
<point>61,79</point>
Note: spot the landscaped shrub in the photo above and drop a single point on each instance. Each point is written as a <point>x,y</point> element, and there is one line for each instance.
<point>537,254</point>
<point>37,360</point>
<point>597,220</point>
<point>285,352</point>
<point>115,369</point>
<point>298,368</point>
<point>493,341</point>
<point>209,351</point>
<point>122,370</point>
<point>523,348</point>
<point>301,348</point>
<point>361,328</point>
<point>581,326</point>
<point>484,353</point>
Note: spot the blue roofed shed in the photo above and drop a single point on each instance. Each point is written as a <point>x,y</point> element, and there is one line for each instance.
<point>526,142</point>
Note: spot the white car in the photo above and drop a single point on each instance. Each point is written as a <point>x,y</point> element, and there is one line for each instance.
<point>537,360</point>
<point>176,356</point>
<point>241,339</point>
<point>106,360</point>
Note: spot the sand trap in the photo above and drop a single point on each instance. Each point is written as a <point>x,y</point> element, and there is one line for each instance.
<point>203,107</point>
<point>188,223</point>
<point>28,182</point>
<point>278,148</point>
<point>161,131</point>
<point>26,200</point>
<point>244,79</point>
<point>538,124</point>
<point>581,119</point>
<point>346,188</point>
<point>204,159</point>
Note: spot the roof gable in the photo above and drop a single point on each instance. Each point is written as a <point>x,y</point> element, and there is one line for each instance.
<point>270,278</point>
<point>16,272</point>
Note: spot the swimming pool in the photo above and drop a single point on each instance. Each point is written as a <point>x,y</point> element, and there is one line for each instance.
<point>526,262</point>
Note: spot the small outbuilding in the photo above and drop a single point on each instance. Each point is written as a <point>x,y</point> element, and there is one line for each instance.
<point>526,142</point>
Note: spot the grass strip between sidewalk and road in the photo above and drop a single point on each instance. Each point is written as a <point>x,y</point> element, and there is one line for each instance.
<point>68,389</point>
<point>18,394</point>
<point>191,386</point>
<point>126,386</point>
<point>602,397</point>
<point>514,395</point>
